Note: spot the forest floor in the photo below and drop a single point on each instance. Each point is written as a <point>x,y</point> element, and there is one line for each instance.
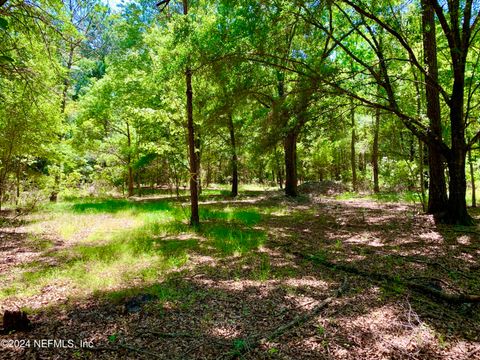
<point>136,281</point>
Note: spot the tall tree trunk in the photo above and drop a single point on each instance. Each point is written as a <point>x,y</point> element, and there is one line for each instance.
<point>422,177</point>
<point>352,147</point>
<point>194,217</point>
<point>233,146</point>
<point>130,180</point>
<point>290,148</point>
<point>66,80</point>
<point>472,179</point>
<point>437,190</point>
<point>17,197</point>
<point>279,169</point>
<point>376,130</point>
<point>457,205</point>
<point>139,184</point>
<point>129,163</point>
<point>198,152</point>
<point>66,83</point>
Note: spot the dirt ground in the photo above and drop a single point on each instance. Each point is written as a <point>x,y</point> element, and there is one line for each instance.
<point>229,305</point>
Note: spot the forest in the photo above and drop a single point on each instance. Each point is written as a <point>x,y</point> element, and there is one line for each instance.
<point>239,179</point>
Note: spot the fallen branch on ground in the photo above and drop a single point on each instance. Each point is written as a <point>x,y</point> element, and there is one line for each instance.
<point>450,298</point>
<point>253,342</point>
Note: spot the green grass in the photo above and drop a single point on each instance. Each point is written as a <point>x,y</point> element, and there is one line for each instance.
<point>230,240</point>
<point>113,243</point>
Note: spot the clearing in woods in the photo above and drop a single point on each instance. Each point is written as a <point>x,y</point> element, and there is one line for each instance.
<point>136,281</point>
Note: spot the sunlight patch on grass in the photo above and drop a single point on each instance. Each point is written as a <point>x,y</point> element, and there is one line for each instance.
<point>246,217</point>
<point>104,253</point>
<point>116,243</point>
<point>229,240</point>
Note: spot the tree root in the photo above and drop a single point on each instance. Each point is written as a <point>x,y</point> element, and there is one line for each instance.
<point>253,342</point>
<point>447,297</point>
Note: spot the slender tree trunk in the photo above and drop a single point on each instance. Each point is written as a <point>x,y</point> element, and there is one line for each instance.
<point>66,80</point>
<point>139,184</point>
<point>233,145</point>
<point>437,191</point>
<point>194,217</point>
<point>290,148</point>
<point>279,169</point>
<point>66,83</point>
<point>422,177</point>
<point>352,147</point>
<point>472,179</point>
<point>198,151</point>
<point>17,197</point>
<point>129,163</point>
<point>376,130</point>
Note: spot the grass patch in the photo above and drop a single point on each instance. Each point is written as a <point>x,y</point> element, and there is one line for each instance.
<point>115,243</point>
<point>263,270</point>
<point>243,217</point>
<point>114,206</point>
<point>231,240</point>
<point>38,243</point>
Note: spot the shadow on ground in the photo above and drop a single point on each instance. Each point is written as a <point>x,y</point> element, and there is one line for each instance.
<point>242,277</point>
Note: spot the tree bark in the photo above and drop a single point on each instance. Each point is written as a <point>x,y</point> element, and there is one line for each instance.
<point>198,152</point>
<point>437,190</point>
<point>472,178</point>
<point>194,217</point>
<point>352,147</point>
<point>290,148</point>
<point>376,129</point>
<point>17,197</point>
<point>279,169</point>
<point>457,205</point>
<point>129,164</point>
<point>233,145</point>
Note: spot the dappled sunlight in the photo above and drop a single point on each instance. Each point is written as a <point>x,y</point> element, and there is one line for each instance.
<point>104,245</point>
<point>364,239</point>
<point>431,237</point>
<point>464,240</point>
<point>238,274</point>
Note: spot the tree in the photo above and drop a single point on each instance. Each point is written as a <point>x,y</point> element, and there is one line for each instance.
<point>459,33</point>
<point>437,191</point>
<point>192,151</point>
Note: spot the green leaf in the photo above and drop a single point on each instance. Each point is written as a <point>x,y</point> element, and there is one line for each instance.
<point>3,24</point>
<point>5,59</point>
